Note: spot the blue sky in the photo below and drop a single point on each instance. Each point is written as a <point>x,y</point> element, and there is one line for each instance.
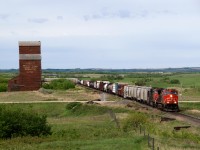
<point>103,33</point>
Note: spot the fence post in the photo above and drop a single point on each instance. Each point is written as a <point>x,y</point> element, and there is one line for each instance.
<point>148,140</point>
<point>113,116</point>
<point>153,144</point>
<point>140,129</point>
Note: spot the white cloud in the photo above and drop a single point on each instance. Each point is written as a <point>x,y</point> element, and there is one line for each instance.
<point>4,16</point>
<point>115,31</point>
<point>59,17</point>
<point>37,20</point>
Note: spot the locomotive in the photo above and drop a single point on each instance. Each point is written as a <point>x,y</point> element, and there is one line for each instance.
<point>165,99</point>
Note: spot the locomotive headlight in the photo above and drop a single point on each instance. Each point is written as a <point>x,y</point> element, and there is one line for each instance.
<point>174,102</point>
<point>171,96</point>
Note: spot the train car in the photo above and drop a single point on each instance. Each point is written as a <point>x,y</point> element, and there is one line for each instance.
<point>129,91</point>
<point>91,84</point>
<point>110,87</point>
<point>156,101</point>
<point>135,92</point>
<point>85,82</point>
<point>120,91</point>
<point>146,94</point>
<point>170,99</point>
<point>95,84</point>
<point>126,90</point>
<point>138,93</point>
<point>98,84</point>
<point>88,83</point>
<point>115,87</point>
<point>166,99</point>
<point>105,88</point>
<point>101,86</point>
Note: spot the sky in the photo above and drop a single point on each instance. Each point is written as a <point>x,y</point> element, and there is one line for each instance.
<point>112,34</point>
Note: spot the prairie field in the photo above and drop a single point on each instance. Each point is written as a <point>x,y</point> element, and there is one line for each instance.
<point>110,126</point>
<point>92,127</point>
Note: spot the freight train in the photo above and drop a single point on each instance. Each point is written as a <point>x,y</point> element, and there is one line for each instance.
<point>165,99</point>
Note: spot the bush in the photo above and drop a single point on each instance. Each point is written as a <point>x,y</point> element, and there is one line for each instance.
<point>174,81</point>
<point>59,84</point>
<point>3,87</point>
<point>18,123</point>
<point>140,82</point>
<point>134,121</point>
<point>3,80</point>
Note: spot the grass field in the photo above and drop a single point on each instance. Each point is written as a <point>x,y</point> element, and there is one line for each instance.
<point>77,94</point>
<point>190,108</point>
<point>92,127</point>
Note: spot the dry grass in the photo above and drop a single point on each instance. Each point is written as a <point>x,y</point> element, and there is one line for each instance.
<point>189,98</point>
<point>79,94</point>
<point>21,96</point>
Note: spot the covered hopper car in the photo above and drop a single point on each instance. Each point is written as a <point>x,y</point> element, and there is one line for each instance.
<point>165,99</point>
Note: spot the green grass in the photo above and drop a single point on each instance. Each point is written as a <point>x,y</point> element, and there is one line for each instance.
<point>190,106</point>
<point>187,80</point>
<point>91,127</point>
<point>103,144</point>
<point>86,128</point>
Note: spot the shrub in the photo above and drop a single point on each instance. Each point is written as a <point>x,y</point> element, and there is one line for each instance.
<point>3,87</point>
<point>174,81</point>
<point>3,80</point>
<point>134,120</point>
<point>140,82</point>
<point>59,84</point>
<point>15,123</point>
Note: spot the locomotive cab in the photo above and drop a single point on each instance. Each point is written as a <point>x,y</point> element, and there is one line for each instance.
<point>166,99</point>
<point>170,99</point>
<point>157,96</point>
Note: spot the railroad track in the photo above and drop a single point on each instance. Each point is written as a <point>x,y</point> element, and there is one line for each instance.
<point>185,117</point>
<point>177,115</point>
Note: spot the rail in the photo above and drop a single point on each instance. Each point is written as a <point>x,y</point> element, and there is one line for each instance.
<point>176,115</point>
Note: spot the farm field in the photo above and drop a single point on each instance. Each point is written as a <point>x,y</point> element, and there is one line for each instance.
<point>91,126</point>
